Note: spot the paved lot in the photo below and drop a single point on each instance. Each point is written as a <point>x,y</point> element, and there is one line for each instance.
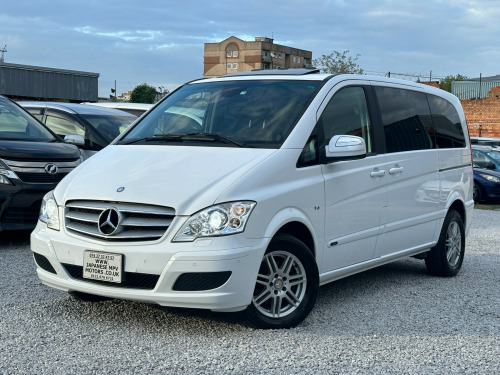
<point>392,320</point>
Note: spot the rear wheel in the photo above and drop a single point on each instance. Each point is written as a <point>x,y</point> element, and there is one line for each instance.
<point>445,259</point>
<point>287,285</point>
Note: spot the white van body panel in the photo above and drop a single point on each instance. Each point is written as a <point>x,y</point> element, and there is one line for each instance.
<point>139,169</point>
<point>352,214</point>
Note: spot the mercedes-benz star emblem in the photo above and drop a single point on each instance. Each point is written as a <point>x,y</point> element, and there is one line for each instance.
<point>109,221</point>
<point>51,169</point>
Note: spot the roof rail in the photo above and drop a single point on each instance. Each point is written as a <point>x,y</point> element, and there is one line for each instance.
<point>297,72</point>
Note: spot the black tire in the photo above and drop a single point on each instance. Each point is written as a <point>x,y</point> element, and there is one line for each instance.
<point>287,285</point>
<point>446,258</point>
<point>88,297</point>
<point>477,194</point>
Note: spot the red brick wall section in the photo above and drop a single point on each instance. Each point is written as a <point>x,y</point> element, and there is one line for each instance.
<point>483,115</point>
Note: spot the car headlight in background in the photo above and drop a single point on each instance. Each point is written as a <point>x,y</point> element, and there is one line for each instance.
<point>219,220</point>
<point>489,177</point>
<point>5,174</point>
<point>49,212</point>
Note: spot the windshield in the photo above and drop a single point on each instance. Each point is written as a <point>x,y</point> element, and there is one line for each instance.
<point>108,126</point>
<point>17,124</point>
<point>247,113</point>
<point>495,155</point>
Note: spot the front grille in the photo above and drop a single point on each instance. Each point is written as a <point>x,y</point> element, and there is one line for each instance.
<point>35,172</point>
<point>40,177</point>
<point>191,282</point>
<point>136,222</point>
<point>130,279</point>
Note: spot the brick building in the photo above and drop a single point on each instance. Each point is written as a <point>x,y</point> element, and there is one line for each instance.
<point>235,55</point>
<point>483,115</point>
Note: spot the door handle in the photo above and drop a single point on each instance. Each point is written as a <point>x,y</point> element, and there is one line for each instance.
<point>377,173</point>
<point>395,170</point>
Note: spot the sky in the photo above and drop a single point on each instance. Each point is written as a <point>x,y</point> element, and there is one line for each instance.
<point>161,42</point>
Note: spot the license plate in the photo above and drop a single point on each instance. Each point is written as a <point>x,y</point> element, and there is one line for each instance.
<point>102,266</point>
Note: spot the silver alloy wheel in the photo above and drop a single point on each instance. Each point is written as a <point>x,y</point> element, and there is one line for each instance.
<point>281,284</point>
<point>453,244</point>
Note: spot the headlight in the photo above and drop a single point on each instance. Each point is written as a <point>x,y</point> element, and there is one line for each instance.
<point>220,220</point>
<point>489,177</point>
<point>5,173</point>
<point>49,212</point>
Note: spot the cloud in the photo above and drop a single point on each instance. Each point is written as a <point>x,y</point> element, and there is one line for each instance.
<point>127,35</point>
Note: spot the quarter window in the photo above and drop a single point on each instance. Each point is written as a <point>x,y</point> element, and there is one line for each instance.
<point>347,114</point>
<point>446,122</point>
<point>406,118</point>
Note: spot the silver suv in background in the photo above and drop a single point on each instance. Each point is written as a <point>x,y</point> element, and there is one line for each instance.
<point>98,126</point>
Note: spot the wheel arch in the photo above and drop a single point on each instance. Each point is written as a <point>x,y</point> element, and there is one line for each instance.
<point>301,232</point>
<point>296,223</point>
<point>458,205</point>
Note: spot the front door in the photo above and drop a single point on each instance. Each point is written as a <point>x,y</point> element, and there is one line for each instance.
<point>355,190</point>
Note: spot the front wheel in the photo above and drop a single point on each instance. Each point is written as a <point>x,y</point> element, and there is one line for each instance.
<point>477,194</point>
<point>287,285</point>
<point>445,259</point>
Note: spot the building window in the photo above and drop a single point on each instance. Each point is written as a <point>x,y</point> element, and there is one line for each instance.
<point>232,65</point>
<point>235,66</point>
<point>232,50</point>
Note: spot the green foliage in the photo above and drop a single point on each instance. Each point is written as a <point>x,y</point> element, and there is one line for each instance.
<point>143,93</point>
<point>338,62</point>
<point>445,83</point>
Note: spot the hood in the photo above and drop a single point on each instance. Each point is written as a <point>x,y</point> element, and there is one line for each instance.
<point>33,151</point>
<point>184,178</point>
<point>486,171</point>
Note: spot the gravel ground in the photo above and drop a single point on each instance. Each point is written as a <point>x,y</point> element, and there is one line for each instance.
<point>392,320</point>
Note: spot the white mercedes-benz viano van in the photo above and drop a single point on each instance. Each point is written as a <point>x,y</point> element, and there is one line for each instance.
<point>251,190</point>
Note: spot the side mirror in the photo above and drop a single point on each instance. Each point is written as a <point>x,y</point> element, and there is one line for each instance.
<point>345,147</point>
<point>74,139</point>
<point>490,165</point>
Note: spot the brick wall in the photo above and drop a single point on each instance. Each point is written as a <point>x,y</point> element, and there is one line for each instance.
<point>483,115</point>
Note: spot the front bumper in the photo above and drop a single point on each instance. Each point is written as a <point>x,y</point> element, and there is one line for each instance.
<point>20,204</point>
<point>234,258</point>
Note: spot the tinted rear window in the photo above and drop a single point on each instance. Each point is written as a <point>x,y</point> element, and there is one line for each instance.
<point>447,126</point>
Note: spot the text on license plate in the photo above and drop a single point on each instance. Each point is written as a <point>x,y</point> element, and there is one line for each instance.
<point>102,266</point>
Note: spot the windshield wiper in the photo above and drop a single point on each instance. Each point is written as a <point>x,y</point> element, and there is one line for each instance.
<point>214,137</point>
<point>185,137</point>
<point>164,137</point>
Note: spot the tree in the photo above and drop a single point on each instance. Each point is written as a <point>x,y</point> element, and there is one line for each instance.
<point>143,93</point>
<point>445,83</point>
<point>337,62</point>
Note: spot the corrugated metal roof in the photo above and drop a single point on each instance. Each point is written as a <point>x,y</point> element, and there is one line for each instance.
<point>474,88</point>
<point>47,83</point>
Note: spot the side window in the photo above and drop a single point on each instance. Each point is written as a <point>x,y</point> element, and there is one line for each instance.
<point>446,123</point>
<point>479,159</point>
<point>63,127</point>
<point>406,118</point>
<point>347,114</point>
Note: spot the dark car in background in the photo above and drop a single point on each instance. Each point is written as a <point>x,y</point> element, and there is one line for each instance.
<point>486,173</point>
<point>32,161</point>
<point>97,125</point>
